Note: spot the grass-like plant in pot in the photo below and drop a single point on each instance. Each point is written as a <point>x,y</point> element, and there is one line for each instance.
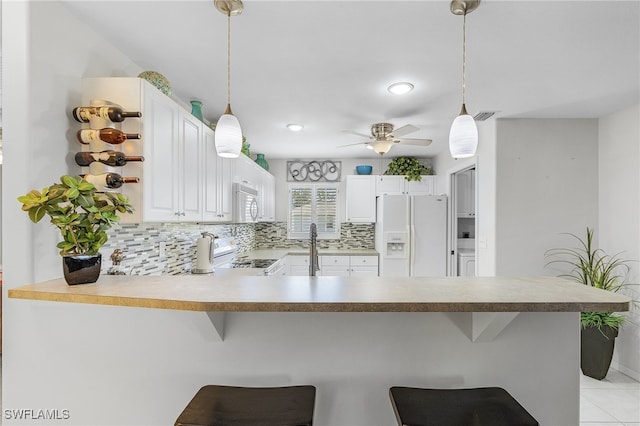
<point>82,215</point>
<point>593,267</point>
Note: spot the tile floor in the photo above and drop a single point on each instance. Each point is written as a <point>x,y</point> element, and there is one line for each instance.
<point>614,400</point>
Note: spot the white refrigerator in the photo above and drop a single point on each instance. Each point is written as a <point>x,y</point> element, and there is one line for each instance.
<point>411,235</point>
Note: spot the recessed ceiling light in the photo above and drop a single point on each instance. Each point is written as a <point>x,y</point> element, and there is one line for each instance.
<point>400,88</point>
<point>295,127</point>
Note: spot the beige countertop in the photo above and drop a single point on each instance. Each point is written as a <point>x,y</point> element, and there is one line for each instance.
<point>238,290</point>
<point>279,253</point>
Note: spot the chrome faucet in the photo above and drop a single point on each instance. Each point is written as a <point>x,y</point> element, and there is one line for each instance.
<point>313,251</point>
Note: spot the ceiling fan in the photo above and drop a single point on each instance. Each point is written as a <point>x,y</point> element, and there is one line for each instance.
<point>383,137</point>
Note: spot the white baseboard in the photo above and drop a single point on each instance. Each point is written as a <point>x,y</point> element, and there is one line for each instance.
<point>635,375</point>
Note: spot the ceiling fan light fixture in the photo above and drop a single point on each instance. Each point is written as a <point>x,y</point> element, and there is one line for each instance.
<point>381,147</point>
<point>463,136</point>
<point>295,127</point>
<point>400,88</point>
<point>228,134</point>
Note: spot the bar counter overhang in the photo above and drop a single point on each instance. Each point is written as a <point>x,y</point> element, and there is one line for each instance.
<point>353,338</point>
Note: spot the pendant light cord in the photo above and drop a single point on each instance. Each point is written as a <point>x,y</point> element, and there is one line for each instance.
<point>229,58</point>
<point>464,56</point>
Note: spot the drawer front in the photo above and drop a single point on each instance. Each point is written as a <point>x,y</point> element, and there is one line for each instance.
<point>364,260</point>
<point>298,260</point>
<point>334,261</point>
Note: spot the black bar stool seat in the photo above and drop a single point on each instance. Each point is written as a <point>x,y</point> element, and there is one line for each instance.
<point>215,405</point>
<point>490,406</point>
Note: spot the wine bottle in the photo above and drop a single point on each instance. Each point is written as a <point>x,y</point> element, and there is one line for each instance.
<point>110,158</point>
<point>111,113</point>
<point>112,136</point>
<point>108,180</point>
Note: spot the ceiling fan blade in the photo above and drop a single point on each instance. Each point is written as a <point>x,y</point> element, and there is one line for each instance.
<point>420,142</point>
<point>404,130</point>
<point>357,134</point>
<point>352,144</point>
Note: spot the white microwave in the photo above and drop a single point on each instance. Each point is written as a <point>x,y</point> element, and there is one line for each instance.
<point>245,204</point>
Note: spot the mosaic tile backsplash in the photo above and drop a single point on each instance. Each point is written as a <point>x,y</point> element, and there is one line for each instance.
<point>140,243</point>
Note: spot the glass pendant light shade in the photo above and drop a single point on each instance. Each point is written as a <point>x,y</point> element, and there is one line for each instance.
<point>228,135</point>
<point>463,136</point>
<point>381,147</point>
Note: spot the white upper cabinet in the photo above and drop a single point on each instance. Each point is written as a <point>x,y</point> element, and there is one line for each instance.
<point>398,185</point>
<point>361,199</point>
<point>217,183</point>
<point>181,179</point>
<point>465,193</point>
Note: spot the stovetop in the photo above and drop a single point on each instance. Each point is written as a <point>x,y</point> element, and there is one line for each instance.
<point>253,263</point>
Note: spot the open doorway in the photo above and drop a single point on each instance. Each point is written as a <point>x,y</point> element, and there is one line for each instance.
<point>463,230</point>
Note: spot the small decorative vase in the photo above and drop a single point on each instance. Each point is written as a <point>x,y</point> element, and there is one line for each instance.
<point>81,268</point>
<point>196,109</point>
<point>262,162</point>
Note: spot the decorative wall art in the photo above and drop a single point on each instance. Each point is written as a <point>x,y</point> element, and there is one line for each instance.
<point>314,171</point>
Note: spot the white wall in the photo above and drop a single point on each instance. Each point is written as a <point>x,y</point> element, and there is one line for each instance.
<point>547,184</point>
<point>619,226</point>
<point>485,161</point>
<point>46,52</point>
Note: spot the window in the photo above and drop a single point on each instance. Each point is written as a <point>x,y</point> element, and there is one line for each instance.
<point>313,203</point>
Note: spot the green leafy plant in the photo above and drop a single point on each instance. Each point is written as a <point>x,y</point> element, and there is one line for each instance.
<point>410,167</point>
<point>80,212</point>
<point>593,267</point>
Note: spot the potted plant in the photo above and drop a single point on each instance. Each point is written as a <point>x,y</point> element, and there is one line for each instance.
<point>410,167</point>
<point>82,215</point>
<point>593,267</point>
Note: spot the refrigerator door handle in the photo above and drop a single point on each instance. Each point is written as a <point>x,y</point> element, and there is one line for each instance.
<point>412,239</point>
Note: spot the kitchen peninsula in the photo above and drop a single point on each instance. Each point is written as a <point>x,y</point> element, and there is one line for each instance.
<point>353,338</point>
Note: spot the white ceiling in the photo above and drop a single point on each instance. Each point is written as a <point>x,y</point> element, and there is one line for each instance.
<point>326,64</point>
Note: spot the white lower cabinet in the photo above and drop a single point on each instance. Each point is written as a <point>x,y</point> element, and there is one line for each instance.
<point>363,266</point>
<point>336,266</point>
<point>298,265</point>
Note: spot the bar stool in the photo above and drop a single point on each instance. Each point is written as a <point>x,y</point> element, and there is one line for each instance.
<point>490,406</point>
<point>215,405</point>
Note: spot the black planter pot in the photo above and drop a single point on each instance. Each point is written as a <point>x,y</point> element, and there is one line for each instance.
<point>81,268</point>
<point>596,350</point>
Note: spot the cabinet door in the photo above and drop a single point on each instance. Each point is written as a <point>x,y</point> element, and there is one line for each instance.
<point>361,199</point>
<point>363,266</point>
<point>465,197</point>
<point>298,265</point>
<point>161,176</point>
<point>217,182</point>
<point>425,186</point>
<point>364,271</point>
<point>190,165</point>
<point>266,195</point>
<point>390,185</point>
<point>334,266</point>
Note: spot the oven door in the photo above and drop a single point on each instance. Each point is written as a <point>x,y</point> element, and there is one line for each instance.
<point>245,206</point>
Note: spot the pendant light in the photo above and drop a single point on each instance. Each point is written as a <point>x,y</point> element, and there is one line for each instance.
<point>463,136</point>
<point>228,134</point>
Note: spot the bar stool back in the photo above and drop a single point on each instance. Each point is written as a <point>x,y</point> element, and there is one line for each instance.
<point>215,405</point>
<point>490,406</point>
